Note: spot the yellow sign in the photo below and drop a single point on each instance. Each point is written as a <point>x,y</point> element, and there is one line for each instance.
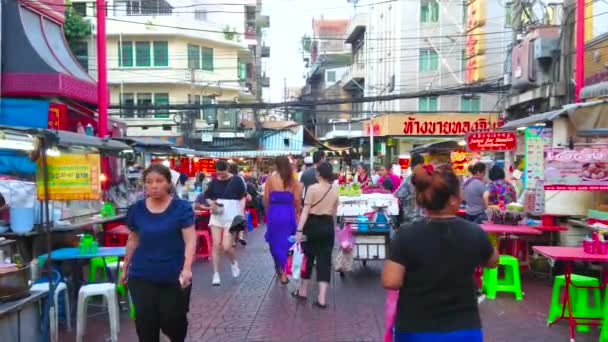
<point>476,14</point>
<point>476,69</point>
<point>476,42</point>
<point>71,177</point>
<point>437,124</point>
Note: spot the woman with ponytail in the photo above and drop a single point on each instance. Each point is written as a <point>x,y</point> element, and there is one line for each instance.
<point>432,263</point>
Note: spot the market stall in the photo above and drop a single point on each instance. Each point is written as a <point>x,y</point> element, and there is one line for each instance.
<point>370,217</point>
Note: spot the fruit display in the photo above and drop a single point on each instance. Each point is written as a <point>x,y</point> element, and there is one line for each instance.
<point>374,190</point>
<point>349,190</point>
<point>498,216</point>
<point>515,207</point>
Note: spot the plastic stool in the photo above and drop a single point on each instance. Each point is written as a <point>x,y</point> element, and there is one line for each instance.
<point>97,266</point>
<point>510,283</point>
<point>120,288</point>
<point>55,314</point>
<point>108,291</point>
<point>203,248</point>
<point>517,247</point>
<point>579,297</point>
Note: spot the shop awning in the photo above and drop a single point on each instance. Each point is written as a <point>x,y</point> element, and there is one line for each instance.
<point>534,119</point>
<point>146,142</point>
<point>69,139</point>
<point>442,146</point>
<point>588,115</point>
<point>250,154</point>
<point>36,60</point>
<point>595,90</point>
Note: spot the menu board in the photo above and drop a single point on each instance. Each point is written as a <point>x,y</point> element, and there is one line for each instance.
<point>206,165</point>
<point>537,139</point>
<point>580,169</point>
<point>70,177</point>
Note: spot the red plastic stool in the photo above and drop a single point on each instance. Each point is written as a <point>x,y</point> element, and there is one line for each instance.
<point>517,247</point>
<point>254,217</point>
<point>203,248</point>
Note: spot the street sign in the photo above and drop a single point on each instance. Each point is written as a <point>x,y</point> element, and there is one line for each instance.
<point>492,141</point>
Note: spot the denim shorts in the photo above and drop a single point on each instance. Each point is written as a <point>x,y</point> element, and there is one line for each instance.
<point>452,336</point>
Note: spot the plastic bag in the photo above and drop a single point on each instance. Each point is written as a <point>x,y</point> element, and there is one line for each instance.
<point>346,241</point>
<point>390,313</point>
<point>343,261</point>
<point>296,262</point>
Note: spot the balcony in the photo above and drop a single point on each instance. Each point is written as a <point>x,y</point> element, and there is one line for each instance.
<point>173,76</point>
<point>354,78</point>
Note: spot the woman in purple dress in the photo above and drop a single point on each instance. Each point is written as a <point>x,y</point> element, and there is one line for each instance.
<point>282,195</point>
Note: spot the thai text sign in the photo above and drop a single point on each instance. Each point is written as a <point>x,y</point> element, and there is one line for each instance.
<point>581,169</point>
<point>492,141</point>
<point>433,124</point>
<point>71,177</point>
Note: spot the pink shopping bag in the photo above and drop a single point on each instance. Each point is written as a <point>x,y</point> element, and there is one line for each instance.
<point>390,312</point>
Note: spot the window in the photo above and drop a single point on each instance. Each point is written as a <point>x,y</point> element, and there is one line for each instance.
<point>194,57</point>
<point>470,104</point>
<point>208,113</point>
<point>80,8</point>
<point>161,99</point>
<point>508,14</point>
<point>80,49</point>
<point>331,77</point>
<point>161,53</point>
<point>200,15</point>
<point>429,11</point>
<point>143,100</point>
<point>207,57</point>
<point>427,104</point>
<point>125,54</point>
<point>127,100</point>
<point>429,61</point>
<point>142,54</point>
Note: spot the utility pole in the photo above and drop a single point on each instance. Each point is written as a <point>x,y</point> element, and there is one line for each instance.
<point>258,50</point>
<point>102,72</point>
<point>580,49</point>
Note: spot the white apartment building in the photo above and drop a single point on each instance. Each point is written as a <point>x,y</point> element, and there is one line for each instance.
<point>412,46</point>
<point>177,52</point>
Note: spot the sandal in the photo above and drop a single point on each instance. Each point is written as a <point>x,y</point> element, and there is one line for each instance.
<point>319,305</point>
<point>284,282</point>
<point>296,294</point>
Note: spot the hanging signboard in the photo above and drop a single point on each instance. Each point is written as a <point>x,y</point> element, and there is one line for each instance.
<point>71,177</point>
<point>206,165</point>
<point>492,141</point>
<point>461,161</point>
<point>581,169</point>
<point>538,139</point>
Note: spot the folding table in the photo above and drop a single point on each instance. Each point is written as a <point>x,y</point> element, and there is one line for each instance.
<point>570,255</point>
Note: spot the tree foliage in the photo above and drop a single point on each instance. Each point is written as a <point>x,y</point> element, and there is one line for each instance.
<point>75,27</point>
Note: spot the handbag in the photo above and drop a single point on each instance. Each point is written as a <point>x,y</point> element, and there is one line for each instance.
<point>296,262</point>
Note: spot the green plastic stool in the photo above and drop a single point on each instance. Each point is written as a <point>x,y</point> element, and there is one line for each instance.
<point>604,331</point>
<point>96,266</point>
<point>510,283</point>
<point>578,297</point>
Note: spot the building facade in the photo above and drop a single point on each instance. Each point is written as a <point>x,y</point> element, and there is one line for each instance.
<point>167,52</point>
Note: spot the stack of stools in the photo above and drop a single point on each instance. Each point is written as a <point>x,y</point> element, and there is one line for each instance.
<point>511,281</point>
<point>54,319</point>
<point>203,244</point>
<point>579,297</point>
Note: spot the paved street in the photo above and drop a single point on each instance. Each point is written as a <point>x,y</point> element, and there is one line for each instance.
<point>256,307</point>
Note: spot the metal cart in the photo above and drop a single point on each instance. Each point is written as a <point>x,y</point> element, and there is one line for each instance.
<point>371,243</point>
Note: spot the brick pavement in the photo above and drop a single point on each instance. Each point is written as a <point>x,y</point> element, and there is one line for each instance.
<point>256,307</point>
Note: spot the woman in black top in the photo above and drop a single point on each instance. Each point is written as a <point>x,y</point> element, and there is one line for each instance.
<point>432,265</point>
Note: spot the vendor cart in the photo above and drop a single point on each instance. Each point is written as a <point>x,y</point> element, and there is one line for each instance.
<point>372,218</point>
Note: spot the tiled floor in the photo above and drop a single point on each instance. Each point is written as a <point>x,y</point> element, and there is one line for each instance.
<point>256,307</point>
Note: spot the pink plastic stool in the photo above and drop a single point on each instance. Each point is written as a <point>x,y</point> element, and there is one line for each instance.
<point>203,248</point>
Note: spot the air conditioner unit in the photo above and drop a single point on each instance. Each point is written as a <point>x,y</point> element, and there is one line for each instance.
<point>545,48</point>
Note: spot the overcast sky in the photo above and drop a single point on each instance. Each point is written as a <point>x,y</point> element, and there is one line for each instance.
<point>289,21</point>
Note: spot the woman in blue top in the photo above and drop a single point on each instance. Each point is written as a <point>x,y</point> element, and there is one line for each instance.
<point>158,259</point>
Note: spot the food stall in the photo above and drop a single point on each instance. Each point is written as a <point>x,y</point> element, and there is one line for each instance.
<point>60,194</point>
<point>369,214</point>
<point>76,185</point>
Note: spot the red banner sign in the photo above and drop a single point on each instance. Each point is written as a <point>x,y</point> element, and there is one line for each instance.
<point>492,141</point>
<point>58,117</point>
<point>581,169</point>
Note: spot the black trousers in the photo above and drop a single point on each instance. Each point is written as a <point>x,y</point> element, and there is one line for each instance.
<point>319,232</point>
<point>160,307</point>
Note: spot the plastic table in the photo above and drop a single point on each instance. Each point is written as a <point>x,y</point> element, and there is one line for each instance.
<point>63,254</point>
<point>509,229</point>
<point>570,255</point>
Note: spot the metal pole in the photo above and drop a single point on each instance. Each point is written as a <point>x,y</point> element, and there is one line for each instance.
<point>580,49</point>
<point>102,72</point>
